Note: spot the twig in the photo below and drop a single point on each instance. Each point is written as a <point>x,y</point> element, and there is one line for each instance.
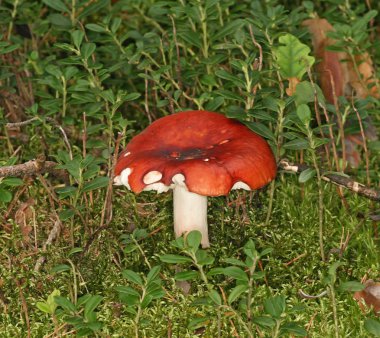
<point>33,167</point>
<point>295,259</point>
<point>24,306</point>
<point>49,119</point>
<point>342,181</point>
<point>302,294</point>
<point>52,236</point>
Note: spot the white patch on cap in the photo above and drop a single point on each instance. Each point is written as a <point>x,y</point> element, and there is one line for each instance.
<point>179,179</point>
<point>240,185</point>
<point>117,180</point>
<point>159,187</point>
<point>224,141</point>
<point>127,154</point>
<point>152,177</point>
<point>124,177</point>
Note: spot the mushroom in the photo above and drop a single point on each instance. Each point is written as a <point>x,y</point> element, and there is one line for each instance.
<point>197,154</point>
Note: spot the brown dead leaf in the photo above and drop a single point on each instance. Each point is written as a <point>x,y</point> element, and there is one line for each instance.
<point>362,78</point>
<point>333,74</point>
<point>23,217</point>
<point>369,297</point>
<point>339,76</point>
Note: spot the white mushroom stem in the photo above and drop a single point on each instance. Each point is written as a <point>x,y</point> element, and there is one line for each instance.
<point>190,213</point>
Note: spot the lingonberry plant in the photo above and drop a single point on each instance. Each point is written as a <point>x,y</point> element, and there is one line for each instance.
<point>79,79</point>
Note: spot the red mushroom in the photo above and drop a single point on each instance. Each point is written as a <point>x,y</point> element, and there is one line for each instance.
<point>197,154</point>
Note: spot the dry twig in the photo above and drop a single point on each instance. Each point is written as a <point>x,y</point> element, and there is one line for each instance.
<point>339,180</point>
<point>32,167</point>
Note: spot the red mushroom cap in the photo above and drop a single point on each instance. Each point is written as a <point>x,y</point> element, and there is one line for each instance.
<point>211,151</point>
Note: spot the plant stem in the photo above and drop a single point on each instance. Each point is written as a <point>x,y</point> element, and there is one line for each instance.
<point>279,138</point>
<point>203,18</point>
<point>320,192</point>
<point>64,96</point>
<point>138,314</point>
<point>142,252</point>
<point>73,13</point>
<point>335,313</point>
<point>250,289</point>
<point>14,13</point>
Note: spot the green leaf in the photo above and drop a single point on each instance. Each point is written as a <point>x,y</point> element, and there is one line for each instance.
<point>234,261</point>
<point>261,129</point>
<point>265,252</point>
<point>215,297</point>
<point>97,183</point>
<point>228,29</point>
<point>9,49</point>
<point>53,70</point>
<point>87,49</point>
<point>292,57</point>
<point>192,38</point>
<point>307,175</point>
<point>74,251</point>
<point>351,286</point>
<point>297,144</point>
<point>209,80</point>
<point>193,239</point>
<point>59,20</point>
<point>264,321</point>
<point>214,104</point>
<point>305,93</point>
<point>146,301</point>
<point>293,329</point>
<point>216,271</point>
<point>237,273</point>
<point>66,214</point>
<point>91,305</point>
<point>77,37</point>
<point>230,95</point>
<point>372,326</point>
<point>132,277</point>
<point>236,292</point>
<point>44,307</point>
<point>304,113</point>
<point>95,7</point>
<point>127,290</point>
<point>230,77</point>
<point>250,249</point>
<point>65,304</point>
<point>115,24</point>
<point>186,275</point>
<point>51,301</point>
<point>332,271</point>
<point>176,259</point>
<point>57,5</point>
<point>275,306</point>
<point>60,268</point>
<point>153,274</point>
<point>132,96</point>
<point>96,28</point>
<point>5,196</point>
<point>197,323</point>
<point>12,181</point>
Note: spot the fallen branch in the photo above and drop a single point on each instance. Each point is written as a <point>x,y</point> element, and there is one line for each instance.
<point>33,167</point>
<point>52,236</point>
<point>48,119</point>
<point>339,180</point>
